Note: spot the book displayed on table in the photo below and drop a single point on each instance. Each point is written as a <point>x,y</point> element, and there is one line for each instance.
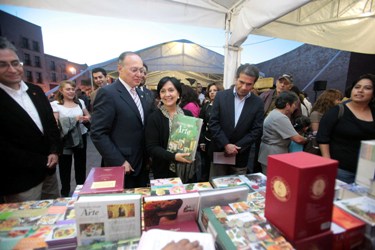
<point>365,175</point>
<point>184,135</point>
<point>34,224</point>
<point>227,181</point>
<point>256,181</point>
<point>174,212</point>
<point>156,239</point>
<point>199,186</point>
<point>167,186</point>
<point>235,229</point>
<point>104,180</point>
<point>363,208</point>
<point>108,217</point>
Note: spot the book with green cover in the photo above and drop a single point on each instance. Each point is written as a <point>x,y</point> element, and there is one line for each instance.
<point>184,135</point>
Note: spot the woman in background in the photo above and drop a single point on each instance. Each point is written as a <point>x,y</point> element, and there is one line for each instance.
<point>189,100</point>
<point>158,129</point>
<point>278,130</point>
<point>340,138</point>
<point>325,101</point>
<point>205,139</point>
<point>70,113</point>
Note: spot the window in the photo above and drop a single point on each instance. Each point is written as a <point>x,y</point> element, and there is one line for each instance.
<point>35,46</point>
<point>25,43</point>
<point>65,77</point>
<point>27,60</point>
<point>53,77</point>
<point>37,61</point>
<point>29,76</point>
<point>39,77</point>
<point>52,66</point>
<point>63,68</point>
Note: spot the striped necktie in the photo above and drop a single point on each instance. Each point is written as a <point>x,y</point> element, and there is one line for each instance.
<point>137,102</point>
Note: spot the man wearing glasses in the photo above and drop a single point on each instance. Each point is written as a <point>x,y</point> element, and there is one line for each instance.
<point>29,137</point>
<point>118,121</point>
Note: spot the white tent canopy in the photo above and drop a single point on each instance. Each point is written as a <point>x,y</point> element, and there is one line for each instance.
<point>182,59</point>
<point>340,24</point>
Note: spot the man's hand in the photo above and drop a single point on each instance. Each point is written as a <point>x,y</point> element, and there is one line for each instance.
<point>128,168</point>
<point>231,149</point>
<point>52,160</point>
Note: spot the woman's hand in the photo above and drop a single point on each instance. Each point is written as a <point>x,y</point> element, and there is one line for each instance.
<point>180,157</point>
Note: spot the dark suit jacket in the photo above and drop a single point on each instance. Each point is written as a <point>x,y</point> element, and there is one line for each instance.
<point>24,148</point>
<point>249,126</point>
<point>116,126</point>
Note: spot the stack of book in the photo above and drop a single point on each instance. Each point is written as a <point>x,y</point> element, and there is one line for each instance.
<point>38,224</point>
<point>235,227</point>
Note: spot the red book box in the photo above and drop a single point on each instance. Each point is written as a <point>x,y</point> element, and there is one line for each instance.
<point>300,192</point>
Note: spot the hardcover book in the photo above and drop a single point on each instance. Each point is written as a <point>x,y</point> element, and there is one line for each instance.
<point>109,217</point>
<point>172,212</point>
<point>184,135</point>
<point>104,180</point>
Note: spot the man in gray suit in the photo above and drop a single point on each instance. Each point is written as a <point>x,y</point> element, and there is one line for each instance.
<point>236,121</point>
<point>118,121</point>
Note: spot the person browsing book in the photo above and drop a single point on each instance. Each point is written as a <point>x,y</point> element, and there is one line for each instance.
<point>158,129</point>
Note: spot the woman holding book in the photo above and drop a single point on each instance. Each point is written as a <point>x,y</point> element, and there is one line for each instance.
<point>158,128</point>
<point>71,113</point>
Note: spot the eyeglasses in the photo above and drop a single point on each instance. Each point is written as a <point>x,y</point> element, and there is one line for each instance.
<point>14,64</point>
<point>134,70</point>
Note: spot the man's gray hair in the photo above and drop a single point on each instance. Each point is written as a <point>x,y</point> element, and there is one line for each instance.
<point>6,44</point>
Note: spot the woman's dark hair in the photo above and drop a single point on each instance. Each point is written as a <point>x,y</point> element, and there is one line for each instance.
<point>301,122</point>
<point>176,83</point>
<point>218,85</point>
<point>284,98</point>
<point>188,95</point>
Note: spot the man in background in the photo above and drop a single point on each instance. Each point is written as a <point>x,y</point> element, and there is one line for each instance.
<point>118,121</point>
<point>142,86</point>
<point>29,137</point>
<point>236,122</point>
<point>283,83</point>
<point>99,77</point>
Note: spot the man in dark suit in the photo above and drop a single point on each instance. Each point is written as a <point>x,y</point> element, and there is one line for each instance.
<point>236,121</point>
<point>29,137</point>
<point>118,121</point>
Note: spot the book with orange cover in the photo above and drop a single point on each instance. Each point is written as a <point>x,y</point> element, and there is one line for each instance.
<point>355,228</point>
<point>104,180</point>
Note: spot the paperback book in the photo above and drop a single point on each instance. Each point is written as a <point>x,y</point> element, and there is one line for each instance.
<point>167,186</point>
<point>227,181</point>
<point>184,135</point>
<point>256,181</point>
<point>109,217</point>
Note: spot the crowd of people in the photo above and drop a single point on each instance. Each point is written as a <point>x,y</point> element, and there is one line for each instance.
<point>130,126</point>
